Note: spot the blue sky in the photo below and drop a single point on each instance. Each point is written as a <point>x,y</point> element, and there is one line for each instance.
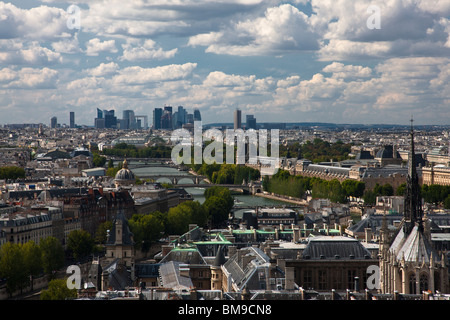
<point>283,61</point>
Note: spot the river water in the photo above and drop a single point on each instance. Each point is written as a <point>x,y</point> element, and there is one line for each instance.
<point>198,193</point>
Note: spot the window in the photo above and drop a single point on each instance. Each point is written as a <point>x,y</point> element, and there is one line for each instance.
<point>351,274</point>
<point>423,283</point>
<point>412,284</point>
<point>307,279</point>
<point>337,282</point>
<point>323,279</point>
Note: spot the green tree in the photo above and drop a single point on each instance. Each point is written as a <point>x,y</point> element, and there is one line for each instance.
<point>98,160</point>
<point>32,260</point>
<point>11,258</point>
<point>329,190</point>
<point>147,229</point>
<point>370,197</point>
<point>102,232</point>
<point>58,290</point>
<point>189,212</point>
<point>52,255</point>
<point>80,243</point>
<point>110,163</point>
<point>353,188</point>
<point>401,190</point>
<point>447,203</point>
<point>222,193</point>
<point>12,172</point>
<point>217,210</point>
<point>387,190</point>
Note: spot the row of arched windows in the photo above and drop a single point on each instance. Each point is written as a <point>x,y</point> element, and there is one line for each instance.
<point>423,283</point>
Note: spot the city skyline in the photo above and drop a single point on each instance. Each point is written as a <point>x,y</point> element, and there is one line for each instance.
<point>281,61</point>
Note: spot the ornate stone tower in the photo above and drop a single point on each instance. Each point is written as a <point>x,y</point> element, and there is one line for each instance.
<point>120,242</point>
<point>216,270</point>
<point>409,264</point>
<point>413,198</point>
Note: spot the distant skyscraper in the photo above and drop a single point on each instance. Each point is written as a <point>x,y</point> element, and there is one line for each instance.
<point>72,119</point>
<point>166,118</point>
<point>157,114</point>
<point>250,122</point>
<point>189,118</point>
<point>129,120</point>
<point>99,114</point>
<point>110,119</point>
<point>53,122</point>
<point>197,115</point>
<point>180,117</point>
<point>237,119</point>
<point>99,123</point>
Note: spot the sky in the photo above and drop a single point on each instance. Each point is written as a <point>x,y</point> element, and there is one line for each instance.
<point>339,61</point>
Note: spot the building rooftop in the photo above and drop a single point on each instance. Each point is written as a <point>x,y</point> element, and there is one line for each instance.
<point>332,247</point>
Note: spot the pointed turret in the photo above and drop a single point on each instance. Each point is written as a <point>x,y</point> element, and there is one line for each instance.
<point>413,198</point>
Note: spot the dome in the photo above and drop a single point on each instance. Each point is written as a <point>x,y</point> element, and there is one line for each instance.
<point>124,175</point>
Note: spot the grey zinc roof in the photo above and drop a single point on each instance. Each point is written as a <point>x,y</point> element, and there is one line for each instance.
<point>374,222</point>
<point>171,278</point>
<point>127,235</point>
<point>413,247</point>
<point>242,269</point>
<point>331,247</point>
<point>187,255</point>
<point>147,270</point>
<point>118,277</point>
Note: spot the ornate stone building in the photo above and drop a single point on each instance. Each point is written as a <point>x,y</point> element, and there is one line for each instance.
<point>408,262</point>
<point>124,177</point>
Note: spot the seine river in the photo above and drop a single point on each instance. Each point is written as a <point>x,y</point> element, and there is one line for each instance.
<point>198,193</point>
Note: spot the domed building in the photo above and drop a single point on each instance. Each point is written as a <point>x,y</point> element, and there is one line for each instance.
<point>124,177</point>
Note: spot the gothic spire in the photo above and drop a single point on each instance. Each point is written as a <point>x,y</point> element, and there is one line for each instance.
<point>413,198</point>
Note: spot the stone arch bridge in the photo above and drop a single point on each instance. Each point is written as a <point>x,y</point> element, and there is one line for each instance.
<point>176,178</point>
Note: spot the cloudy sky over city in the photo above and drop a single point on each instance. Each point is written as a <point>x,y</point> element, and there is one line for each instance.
<point>341,61</point>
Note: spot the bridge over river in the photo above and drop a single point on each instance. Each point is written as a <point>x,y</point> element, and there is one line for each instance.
<point>181,178</point>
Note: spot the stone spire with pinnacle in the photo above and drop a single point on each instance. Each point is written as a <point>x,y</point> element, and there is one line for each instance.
<point>413,199</point>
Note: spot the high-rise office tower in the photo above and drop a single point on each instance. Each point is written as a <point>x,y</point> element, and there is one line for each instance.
<point>250,122</point>
<point>72,119</point>
<point>157,114</point>
<point>129,120</point>
<point>197,115</point>
<point>53,122</point>
<point>110,119</point>
<point>166,118</point>
<point>182,114</point>
<point>237,119</point>
<point>99,122</point>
